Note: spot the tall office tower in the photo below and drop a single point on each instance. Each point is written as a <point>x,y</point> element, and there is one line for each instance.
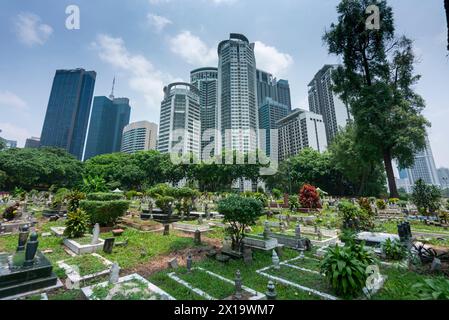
<point>139,136</point>
<point>109,118</point>
<point>301,129</point>
<point>237,94</point>
<point>443,175</point>
<point>266,87</point>
<point>270,112</point>
<point>32,143</point>
<point>68,111</point>
<point>206,81</point>
<point>283,91</point>
<point>424,168</point>
<point>322,100</point>
<point>180,120</point>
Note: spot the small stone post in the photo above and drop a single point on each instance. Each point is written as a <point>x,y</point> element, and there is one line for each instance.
<point>276,261</point>
<point>238,285</point>
<point>271,291</point>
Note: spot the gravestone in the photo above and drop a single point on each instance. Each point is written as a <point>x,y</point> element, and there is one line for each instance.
<point>271,291</point>
<point>436,265</point>
<point>197,237</point>
<point>23,237</point>
<point>266,231</point>
<point>298,231</point>
<point>108,245</point>
<point>166,230</point>
<point>173,263</point>
<point>276,261</point>
<point>95,234</point>
<point>189,263</point>
<point>114,274</point>
<point>247,255</point>
<point>238,286</point>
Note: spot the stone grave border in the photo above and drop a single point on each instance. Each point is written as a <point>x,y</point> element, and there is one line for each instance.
<point>74,277</point>
<point>88,291</point>
<point>255,294</point>
<point>190,228</point>
<point>42,291</point>
<point>80,249</point>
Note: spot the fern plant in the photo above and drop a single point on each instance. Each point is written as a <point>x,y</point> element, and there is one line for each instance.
<point>77,224</point>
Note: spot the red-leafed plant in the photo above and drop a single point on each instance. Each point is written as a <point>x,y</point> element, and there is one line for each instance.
<point>309,197</point>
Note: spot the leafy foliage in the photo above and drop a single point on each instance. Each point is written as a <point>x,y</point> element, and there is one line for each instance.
<point>240,213</point>
<point>105,213</point>
<point>355,218</point>
<point>394,250</point>
<point>309,197</point>
<point>77,224</point>
<point>73,200</point>
<point>11,212</point>
<point>380,204</point>
<point>104,196</point>
<point>426,197</point>
<point>93,184</point>
<point>433,289</point>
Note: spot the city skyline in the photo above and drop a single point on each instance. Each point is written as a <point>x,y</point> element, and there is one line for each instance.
<point>114,51</point>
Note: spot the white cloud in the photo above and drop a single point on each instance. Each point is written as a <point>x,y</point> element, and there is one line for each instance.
<point>158,22</point>
<point>269,58</point>
<point>13,132</point>
<point>193,50</point>
<point>9,100</point>
<point>143,77</point>
<point>30,29</point>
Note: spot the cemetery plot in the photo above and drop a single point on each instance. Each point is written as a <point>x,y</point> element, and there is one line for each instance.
<point>212,286</point>
<point>142,225</point>
<point>132,287</point>
<point>82,268</point>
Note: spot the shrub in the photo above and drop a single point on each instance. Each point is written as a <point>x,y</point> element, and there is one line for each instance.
<point>426,197</point>
<point>11,212</point>
<point>104,196</point>
<point>393,200</point>
<point>365,204</point>
<point>277,194</point>
<point>433,289</point>
<point>240,213</point>
<point>94,184</point>
<point>106,213</point>
<point>447,204</point>
<point>394,250</point>
<point>73,200</point>
<point>345,269</point>
<point>381,204</point>
<point>355,218</point>
<point>164,196</point>
<point>77,224</point>
<point>258,196</point>
<point>309,197</point>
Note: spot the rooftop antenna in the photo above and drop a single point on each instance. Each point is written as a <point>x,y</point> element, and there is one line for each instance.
<point>112,92</point>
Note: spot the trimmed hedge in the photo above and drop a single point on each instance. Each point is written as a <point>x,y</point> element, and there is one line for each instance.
<point>104,196</point>
<point>106,213</point>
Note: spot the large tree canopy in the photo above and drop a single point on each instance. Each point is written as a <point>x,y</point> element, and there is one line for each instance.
<point>376,80</point>
<point>39,168</point>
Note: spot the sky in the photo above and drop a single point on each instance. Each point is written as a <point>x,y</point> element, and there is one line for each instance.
<point>147,44</point>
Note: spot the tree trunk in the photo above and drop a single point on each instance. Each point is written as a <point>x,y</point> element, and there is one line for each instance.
<point>390,175</point>
<point>446,5</point>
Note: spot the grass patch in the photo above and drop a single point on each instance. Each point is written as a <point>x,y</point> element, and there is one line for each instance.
<point>87,264</point>
<point>211,285</point>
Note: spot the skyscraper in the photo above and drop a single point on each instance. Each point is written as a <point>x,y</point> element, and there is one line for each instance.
<point>206,81</point>
<point>270,112</point>
<point>266,87</point>
<point>424,168</point>
<point>283,91</point>
<point>301,129</point>
<point>322,100</point>
<point>237,94</point>
<point>32,142</point>
<point>139,136</point>
<point>443,175</point>
<point>109,118</point>
<point>180,120</point>
<point>67,117</point>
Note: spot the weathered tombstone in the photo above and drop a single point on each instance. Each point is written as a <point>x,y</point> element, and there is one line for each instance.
<point>197,237</point>
<point>266,231</point>
<point>276,261</point>
<point>31,249</point>
<point>200,220</point>
<point>271,291</point>
<point>189,263</point>
<point>166,230</point>
<point>301,255</point>
<point>279,251</point>
<point>238,286</point>
<point>206,211</point>
<point>173,263</point>
<point>108,245</point>
<point>114,274</point>
<point>436,265</point>
<point>95,234</point>
<point>298,231</point>
<point>247,255</point>
<point>23,237</point>
<point>319,235</point>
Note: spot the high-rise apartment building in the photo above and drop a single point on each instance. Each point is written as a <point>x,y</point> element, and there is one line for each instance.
<point>283,92</point>
<point>266,87</point>
<point>139,136</point>
<point>67,117</point>
<point>322,100</point>
<point>180,124</point>
<point>237,94</point>
<point>206,81</point>
<point>109,118</point>
<point>270,112</point>
<point>299,130</point>
<point>32,143</point>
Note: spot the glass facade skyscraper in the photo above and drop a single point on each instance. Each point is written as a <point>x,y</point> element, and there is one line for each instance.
<point>283,92</point>
<point>237,94</point>
<point>206,81</point>
<point>108,119</point>
<point>68,110</point>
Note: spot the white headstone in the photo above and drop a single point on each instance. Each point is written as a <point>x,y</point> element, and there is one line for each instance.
<point>276,261</point>
<point>96,234</point>
<point>115,273</point>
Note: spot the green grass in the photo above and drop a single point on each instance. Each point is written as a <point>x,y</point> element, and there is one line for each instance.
<point>173,288</point>
<point>417,226</point>
<point>211,285</point>
<point>87,264</point>
<point>311,264</point>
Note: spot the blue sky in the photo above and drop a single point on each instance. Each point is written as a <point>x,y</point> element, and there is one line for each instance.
<point>148,43</point>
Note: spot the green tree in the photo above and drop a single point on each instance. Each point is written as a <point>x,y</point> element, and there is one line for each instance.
<point>2,145</point>
<point>427,198</point>
<point>92,184</point>
<point>376,81</point>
